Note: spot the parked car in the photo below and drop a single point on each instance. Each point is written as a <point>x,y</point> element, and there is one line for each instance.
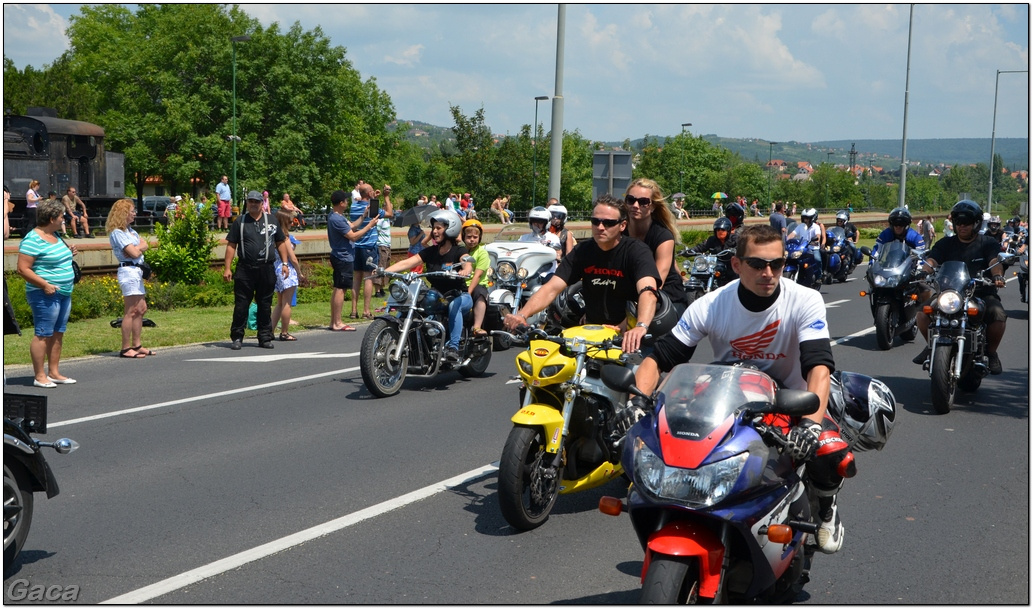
<point>153,210</point>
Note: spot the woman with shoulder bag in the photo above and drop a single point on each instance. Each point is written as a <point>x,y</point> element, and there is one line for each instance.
<point>45,262</point>
<point>128,248</point>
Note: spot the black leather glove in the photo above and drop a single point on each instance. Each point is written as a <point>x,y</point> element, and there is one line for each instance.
<point>803,440</point>
<point>631,413</point>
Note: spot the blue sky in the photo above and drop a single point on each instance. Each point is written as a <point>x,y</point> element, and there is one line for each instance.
<point>805,72</point>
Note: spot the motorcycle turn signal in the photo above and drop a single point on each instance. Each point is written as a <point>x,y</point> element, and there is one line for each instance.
<point>611,506</point>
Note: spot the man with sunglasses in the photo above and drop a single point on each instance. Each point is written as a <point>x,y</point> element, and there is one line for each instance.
<point>900,229</point>
<point>612,269</point>
<point>780,327</point>
<point>980,253</point>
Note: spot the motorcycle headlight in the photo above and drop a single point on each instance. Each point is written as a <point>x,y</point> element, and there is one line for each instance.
<point>704,486</point>
<point>796,254</point>
<point>700,265</point>
<point>525,366</point>
<point>506,271</point>
<point>399,292</point>
<point>522,273</point>
<point>835,249</point>
<point>949,302</point>
<point>878,281</point>
<point>548,371</point>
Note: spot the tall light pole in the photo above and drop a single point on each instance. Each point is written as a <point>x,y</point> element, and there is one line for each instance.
<point>770,146</point>
<point>993,134</point>
<point>534,163</point>
<point>682,188</point>
<point>907,87</point>
<point>233,136</point>
<point>828,155</point>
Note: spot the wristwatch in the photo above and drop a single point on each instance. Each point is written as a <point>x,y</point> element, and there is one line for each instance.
<point>642,325</point>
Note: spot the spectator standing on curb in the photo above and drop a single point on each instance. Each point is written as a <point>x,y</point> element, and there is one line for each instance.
<point>128,248</point>
<point>32,200</point>
<point>928,231</point>
<point>258,238</point>
<point>384,240</point>
<point>341,234</point>
<point>366,255</point>
<point>286,286</point>
<point>225,206</point>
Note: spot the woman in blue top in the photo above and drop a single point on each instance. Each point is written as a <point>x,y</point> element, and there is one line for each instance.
<point>45,262</point>
<point>128,248</point>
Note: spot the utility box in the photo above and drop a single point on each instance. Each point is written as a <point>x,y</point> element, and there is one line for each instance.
<point>611,173</point>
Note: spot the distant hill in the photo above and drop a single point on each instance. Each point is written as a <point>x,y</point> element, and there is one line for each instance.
<point>958,151</point>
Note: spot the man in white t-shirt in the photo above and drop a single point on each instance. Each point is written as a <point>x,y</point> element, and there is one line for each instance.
<point>780,327</point>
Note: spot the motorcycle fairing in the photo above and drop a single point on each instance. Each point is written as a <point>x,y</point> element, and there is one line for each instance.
<point>684,539</point>
<point>601,475</point>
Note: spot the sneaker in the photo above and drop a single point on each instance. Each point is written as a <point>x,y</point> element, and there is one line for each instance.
<point>994,363</point>
<point>451,354</point>
<point>236,345</point>
<point>924,355</point>
<point>830,532</point>
<point>266,345</point>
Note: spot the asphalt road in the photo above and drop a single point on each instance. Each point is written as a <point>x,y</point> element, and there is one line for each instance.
<point>218,477</point>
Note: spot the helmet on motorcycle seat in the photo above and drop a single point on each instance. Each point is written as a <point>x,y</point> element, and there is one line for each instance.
<point>809,214</point>
<point>735,213</point>
<point>475,223</point>
<point>722,224</point>
<point>843,215</point>
<point>558,212</point>
<point>568,308</point>
<point>665,318</point>
<point>900,217</point>
<point>994,224</point>
<point>864,408</point>
<point>450,219</point>
<point>538,214</point>
<point>966,212</point>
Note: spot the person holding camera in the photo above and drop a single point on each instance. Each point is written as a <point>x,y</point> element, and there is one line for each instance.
<point>384,239</point>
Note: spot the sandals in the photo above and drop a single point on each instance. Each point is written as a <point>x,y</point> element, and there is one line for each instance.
<point>137,355</point>
<point>286,336</point>
<point>368,316</point>
<point>144,350</point>
<point>479,332</point>
<point>344,328</point>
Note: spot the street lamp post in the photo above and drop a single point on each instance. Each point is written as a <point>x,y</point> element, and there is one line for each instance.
<point>770,146</point>
<point>828,156</point>
<point>993,134</point>
<point>682,172</point>
<point>534,162</point>
<point>233,136</point>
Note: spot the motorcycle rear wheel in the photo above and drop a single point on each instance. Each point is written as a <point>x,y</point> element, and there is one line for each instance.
<point>671,580</point>
<point>885,325</point>
<point>943,384</point>
<point>382,378</point>
<point>526,495</point>
<point>970,381</point>
<point>17,512</point>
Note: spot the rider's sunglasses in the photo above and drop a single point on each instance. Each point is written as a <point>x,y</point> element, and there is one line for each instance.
<point>640,201</point>
<point>607,222</point>
<point>900,223</point>
<point>758,264</point>
<point>558,216</point>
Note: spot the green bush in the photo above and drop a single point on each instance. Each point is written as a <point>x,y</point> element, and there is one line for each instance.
<point>184,247</point>
<point>92,297</point>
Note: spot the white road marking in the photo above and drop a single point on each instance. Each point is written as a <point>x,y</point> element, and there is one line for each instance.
<point>285,543</point>
<point>198,398</point>
<point>865,332</point>
<point>248,359</point>
<point>835,303</point>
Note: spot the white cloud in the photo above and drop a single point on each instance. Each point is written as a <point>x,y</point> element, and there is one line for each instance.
<point>35,32</point>
<point>408,57</point>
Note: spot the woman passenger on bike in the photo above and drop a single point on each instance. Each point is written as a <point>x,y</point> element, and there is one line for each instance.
<point>650,221</point>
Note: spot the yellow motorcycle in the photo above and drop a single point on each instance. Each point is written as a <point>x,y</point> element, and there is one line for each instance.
<point>567,436</point>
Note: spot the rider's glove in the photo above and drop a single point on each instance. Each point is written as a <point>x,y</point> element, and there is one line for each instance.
<point>803,440</point>
<point>631,413</point>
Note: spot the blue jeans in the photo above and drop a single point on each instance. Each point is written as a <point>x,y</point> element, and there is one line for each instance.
<point>49,313</point>
<point>456,309</point>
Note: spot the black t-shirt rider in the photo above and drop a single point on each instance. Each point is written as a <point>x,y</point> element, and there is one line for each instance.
<point>976,254</point>
<point>608,279</point>
<point>434,261</point>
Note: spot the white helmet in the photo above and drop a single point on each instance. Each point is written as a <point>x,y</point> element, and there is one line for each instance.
<point>558,212</point>
<point>451,221</point>
<point>538,214</point>
<point>809,213</point>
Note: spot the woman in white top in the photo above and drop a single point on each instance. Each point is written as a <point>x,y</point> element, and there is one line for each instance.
<point>128,248</point>
<point>32,199</point>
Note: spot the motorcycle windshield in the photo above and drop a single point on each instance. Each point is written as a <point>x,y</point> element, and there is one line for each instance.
<point>892,255</point>
<point>795,231</point>
<point>698,398</point>
<point>838,234</point>
<point>953,275</point>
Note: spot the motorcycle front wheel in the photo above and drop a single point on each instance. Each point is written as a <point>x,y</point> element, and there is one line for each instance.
<point>695,295</point>
<point>885,324</point>
<point>381,376</point>
<point>480,357</point>
<point>671,580</point>
<point>17,512</point>
<point>943,382</point>
<point>526,493</point>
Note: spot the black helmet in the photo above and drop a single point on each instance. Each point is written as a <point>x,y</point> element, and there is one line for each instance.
<point>568,308</point>
<point>665,317</point>
<point>735,213</point>
<point>722,224</point>
<point>864,408</point>
<point>900,217</point>
<point>1014,220</point>
<point>966,212</point>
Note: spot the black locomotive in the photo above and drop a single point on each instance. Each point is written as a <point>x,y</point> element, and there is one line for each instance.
<point>60,153</point>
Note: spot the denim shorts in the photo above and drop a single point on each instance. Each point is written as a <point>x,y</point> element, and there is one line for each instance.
<point>361,254</point>
<point>49,313</point>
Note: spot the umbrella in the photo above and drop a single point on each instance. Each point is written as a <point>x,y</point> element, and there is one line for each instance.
<point>678,195</point>
<point>719,195</point>
<point>414,215</point>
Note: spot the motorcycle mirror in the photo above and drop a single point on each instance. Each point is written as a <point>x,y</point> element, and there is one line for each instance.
<point>468,258</point>
<point>867,251</point>
<point>620,378</point>
<point>796,402</point>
